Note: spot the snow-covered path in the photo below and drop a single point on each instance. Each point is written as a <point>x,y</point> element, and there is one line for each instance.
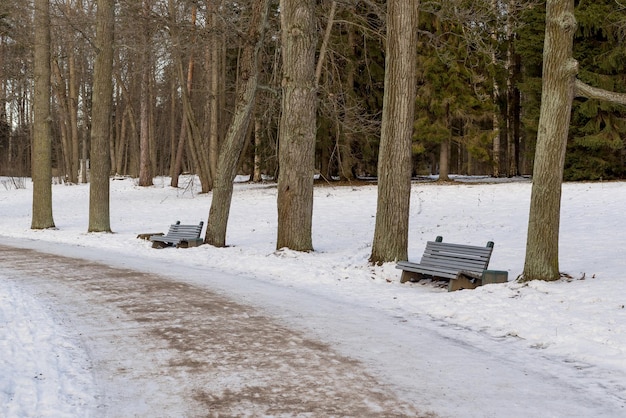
<point>194,341</point>
<point>165,348</point>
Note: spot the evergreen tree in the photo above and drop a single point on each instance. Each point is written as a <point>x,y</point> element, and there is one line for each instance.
<point>528,44</point>
<point>453,96</point>
<point>595,148</point>
<point>595,143</point>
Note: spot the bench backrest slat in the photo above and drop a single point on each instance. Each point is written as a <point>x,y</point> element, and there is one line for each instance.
<point>185,231</point>
<point>456,256</point>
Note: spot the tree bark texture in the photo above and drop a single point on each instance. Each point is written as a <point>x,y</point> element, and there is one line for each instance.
<point>178,148</point>
<point>391,232</point>
<point>215,94</point>
<point>444,160</point>
<point>297,125</point>
<point>145,168</point>
<point>559,72</point>
<point>99,215</point>
<point>42,135</point>
<point>58,86</point>
<point>237,131</point>
<point>145,172</point>
<point>73,113</point>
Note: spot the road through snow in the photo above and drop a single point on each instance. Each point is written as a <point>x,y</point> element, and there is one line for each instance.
<point>168,340</point>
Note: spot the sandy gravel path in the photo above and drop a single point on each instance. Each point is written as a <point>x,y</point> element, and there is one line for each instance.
<point>165,348</point>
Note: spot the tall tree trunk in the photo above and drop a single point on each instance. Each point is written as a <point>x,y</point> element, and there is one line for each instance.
<point>42,136</point>
<point>145,172</point>
<point>196,148</point>
<point>177,142</point>
<point>99,216</point>
<point>63,108</point>
<point>256,176</point>
<point>496,149</point>
<point>347,139</point>
<point>559,72</point>
<point>145,166</point>
<point>121,152</point>
<point>391,234</point>
<point>73,106</point>
<point>444,160</point>
<point>237,131</point>
<point>325,40</point>
<point>513,97</point>
<point>214,89</point>
<point>297,125</point>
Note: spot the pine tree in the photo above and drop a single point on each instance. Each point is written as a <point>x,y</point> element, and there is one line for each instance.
<point>595,148</point>
<point>453,96</point>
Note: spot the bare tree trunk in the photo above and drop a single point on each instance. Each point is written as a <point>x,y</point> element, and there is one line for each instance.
<point>391,234</point>
<point>495,97</point>
<point>145,172</point>
<point>513,110</point>
<point>61,94</point>
<point>213,58</point>
<point>122,145</point>
<point>83,161</point>
<point>559,72</point>
<point>297,125</point>
<point>42,136</point>
<point>237,131</point>
<point>346,141</point>
<point>152,150</point>
<point>73,116</point>
<point>197,151</point>
<point>179,150</point>
<point>177,143</point>
<point>256,177</point>
<point>99,216</point>
<point>444,160</point>
<point>324,46</point>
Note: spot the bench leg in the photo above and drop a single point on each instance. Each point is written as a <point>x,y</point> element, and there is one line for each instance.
<point>159,244</point>
<point>190,243</point>
<point>463,282</point>
<point>410,276</point>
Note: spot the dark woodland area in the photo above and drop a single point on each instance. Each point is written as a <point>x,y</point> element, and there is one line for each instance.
<point>476,106</point>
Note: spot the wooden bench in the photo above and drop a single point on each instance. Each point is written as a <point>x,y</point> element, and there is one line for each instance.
<point>181,236</point>
<point>462,265</point>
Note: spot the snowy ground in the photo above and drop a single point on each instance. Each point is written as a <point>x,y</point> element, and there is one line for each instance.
<point>571,334</point>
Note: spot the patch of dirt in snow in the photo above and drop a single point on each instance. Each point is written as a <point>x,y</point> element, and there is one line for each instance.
<point>162,347</point>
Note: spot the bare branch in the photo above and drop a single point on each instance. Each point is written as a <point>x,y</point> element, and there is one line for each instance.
<point>589,92</point>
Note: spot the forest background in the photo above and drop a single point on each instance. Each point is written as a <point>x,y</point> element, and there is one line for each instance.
<point>476,108</point>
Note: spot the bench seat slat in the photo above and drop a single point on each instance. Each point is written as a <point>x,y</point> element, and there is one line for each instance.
<point>431,271</point>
